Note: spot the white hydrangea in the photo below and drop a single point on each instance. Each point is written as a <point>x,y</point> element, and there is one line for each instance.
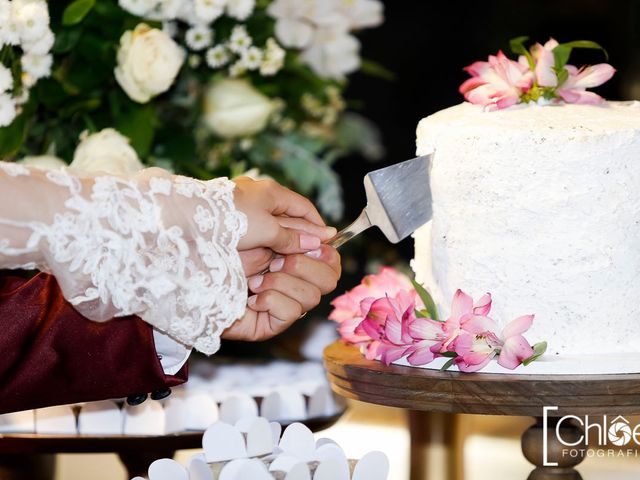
<point>240,9</point>
<point>240,40</point>
<point>251,58</point>
<point>217,56</point>
<point>199,37</point>
<point>38,66</point>
<point>141,8</point>
<point>40,46</point>
<point>7,110</point>
<point>6,79</point>
<point>274,56</point>
<point>209,10</point>
<point>31,19</point>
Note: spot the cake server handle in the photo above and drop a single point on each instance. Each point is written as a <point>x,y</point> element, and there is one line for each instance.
<point>343,236</point>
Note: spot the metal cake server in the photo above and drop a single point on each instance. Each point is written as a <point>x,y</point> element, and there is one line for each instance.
<point>398,201</point>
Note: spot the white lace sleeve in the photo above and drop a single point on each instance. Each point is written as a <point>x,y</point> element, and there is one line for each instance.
<point>159,246</point>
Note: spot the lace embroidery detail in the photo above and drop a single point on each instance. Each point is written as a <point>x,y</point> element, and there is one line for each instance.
<point>13,169</point>
<point>116,251</point>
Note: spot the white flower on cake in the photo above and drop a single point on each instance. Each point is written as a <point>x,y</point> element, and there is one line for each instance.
<point>240,40</point>
<point>199,37</point>
<point>40,46</point>
<point>106,151</point>
<point>47,162</point>
<point>252,58</point>
<point>31,19</point>
<point>217,56</point>
<point>148,62</point>
<point>234,108</point>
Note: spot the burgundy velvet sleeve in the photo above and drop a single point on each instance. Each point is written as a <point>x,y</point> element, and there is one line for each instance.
<point>52,355</point>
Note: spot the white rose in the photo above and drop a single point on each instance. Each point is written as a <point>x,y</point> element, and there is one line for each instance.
<point>46,162</point>
<point>234,108</point>
<point>106,151</point>
<point>148,62</point>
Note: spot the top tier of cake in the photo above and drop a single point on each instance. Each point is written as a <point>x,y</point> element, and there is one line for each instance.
<point>539,205</point>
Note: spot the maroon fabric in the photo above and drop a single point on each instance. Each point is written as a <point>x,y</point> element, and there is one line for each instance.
<point>52,355</point>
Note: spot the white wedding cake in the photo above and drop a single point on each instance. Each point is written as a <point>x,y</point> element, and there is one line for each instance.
<point>540,205</point>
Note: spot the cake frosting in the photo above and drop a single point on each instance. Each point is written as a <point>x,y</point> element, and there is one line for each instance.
<point>539,205</point>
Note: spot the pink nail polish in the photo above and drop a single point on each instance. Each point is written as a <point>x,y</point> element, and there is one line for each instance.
<point>276,265</point>
<point>255,282</point>
<point>251,301</point>
<point>309,242</point>
<point>314,253</point>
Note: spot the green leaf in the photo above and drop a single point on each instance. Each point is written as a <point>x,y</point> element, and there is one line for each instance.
<point>449,354</point>
<point>563,51</point>
<point>421,313</point>
<point>447,365</point>
<point>538,350</point>
<point>66,39</point>
<point>139,125</point>
<point>76,11</point>
<point>426,299</point>
<point>517,47</point>
<point>12,136</point>
<point>374,69</point>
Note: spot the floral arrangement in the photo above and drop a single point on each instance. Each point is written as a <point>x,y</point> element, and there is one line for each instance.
<point>390,317</point>
<point>540,74</point>
<point>201,87</point>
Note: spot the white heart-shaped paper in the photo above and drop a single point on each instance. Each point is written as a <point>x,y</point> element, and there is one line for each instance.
<point>199,470</point>
<point>144,419</point>
<point>299,471</point>
<point>202,411</point>
<point>332,469</point>
<point>325,441</point>
<point>244,424</point>
<point>331,451</point>
<point>276,431</point>
<point>167,469</point>
<point>18,422</point>
<point>285,404</point>
<point>284,463</point>
<point>236,407</point>
<point>222,442</point>
<point>58,420</point>
<point>373,466</point>
<point>297,441</point>
<point>245,469</point>
<point>259,438</point>
<point>175,415</point>
<point>100,418</point>
<point>322,403</point>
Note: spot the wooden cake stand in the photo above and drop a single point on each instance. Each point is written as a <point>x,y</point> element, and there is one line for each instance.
<point>434,397</point>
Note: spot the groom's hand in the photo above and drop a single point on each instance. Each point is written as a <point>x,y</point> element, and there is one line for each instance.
<point>292,287</point>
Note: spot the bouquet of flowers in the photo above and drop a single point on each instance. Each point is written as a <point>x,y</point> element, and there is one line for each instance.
<point>200,87</point>
<point>391,317</point>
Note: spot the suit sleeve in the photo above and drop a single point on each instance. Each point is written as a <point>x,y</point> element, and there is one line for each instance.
<point>52,355</point>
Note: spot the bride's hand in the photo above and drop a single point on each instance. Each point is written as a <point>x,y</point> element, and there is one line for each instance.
<point>278,218</point>
<point>292,287</point>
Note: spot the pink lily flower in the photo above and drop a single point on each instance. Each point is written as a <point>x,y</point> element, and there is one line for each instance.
<point>350,308</point>
<point>545,61</point>
<point>573,90</point>
<point>464,309</point>
<point>497,83</point>
<point>479,344</point>
<point>428,335</point>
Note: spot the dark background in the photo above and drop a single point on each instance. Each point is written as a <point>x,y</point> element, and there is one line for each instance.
<point>426,44</point>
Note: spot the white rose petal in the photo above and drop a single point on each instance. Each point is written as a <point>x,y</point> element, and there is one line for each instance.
<point>7,110</point>
<point>6,79</point>
<point>240,9</point>
<point>47,162</point>
<point>38,66</point>
<point>294,33</point>
<point>148,62</point>
<point>106,151</point>
<point>199,37</point>
<point>234,108</point>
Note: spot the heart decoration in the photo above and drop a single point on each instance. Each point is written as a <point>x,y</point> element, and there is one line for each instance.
<point>58,420</point>
<point>202,411</point>
<point>373,466</point>
<point>198,469</point>
<point>237,407</point>
<point>259,438</point>
<point>322,403</point>
<point>144,419</point>
<point>100,418</point>
<point>167,469</point>
<point>285,404</point>
<point>223,442</point>
<point>175,412</point>
<point>297,441</point>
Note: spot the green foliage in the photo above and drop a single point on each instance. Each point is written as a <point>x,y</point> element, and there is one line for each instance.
<point>76,11</point>
<point>517,47</point>
<point>447,365</point>
<point>426,298</point>
<point>539,349</point>
<point>11,137</point>
<point>563,51</point>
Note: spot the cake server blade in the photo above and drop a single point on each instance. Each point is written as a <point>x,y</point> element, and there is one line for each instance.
<point>398,201</point>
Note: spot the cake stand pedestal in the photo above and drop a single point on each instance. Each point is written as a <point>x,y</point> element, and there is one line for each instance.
<point>434,397</point>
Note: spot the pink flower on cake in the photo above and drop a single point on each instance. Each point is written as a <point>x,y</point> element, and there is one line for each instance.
<point>497,83</point>
<point>463,309</point>
<point>573,90</point>
<point>541,74</point>
<point>352,307</point>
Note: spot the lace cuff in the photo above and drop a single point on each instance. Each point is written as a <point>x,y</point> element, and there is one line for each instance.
<point>158,246</point>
